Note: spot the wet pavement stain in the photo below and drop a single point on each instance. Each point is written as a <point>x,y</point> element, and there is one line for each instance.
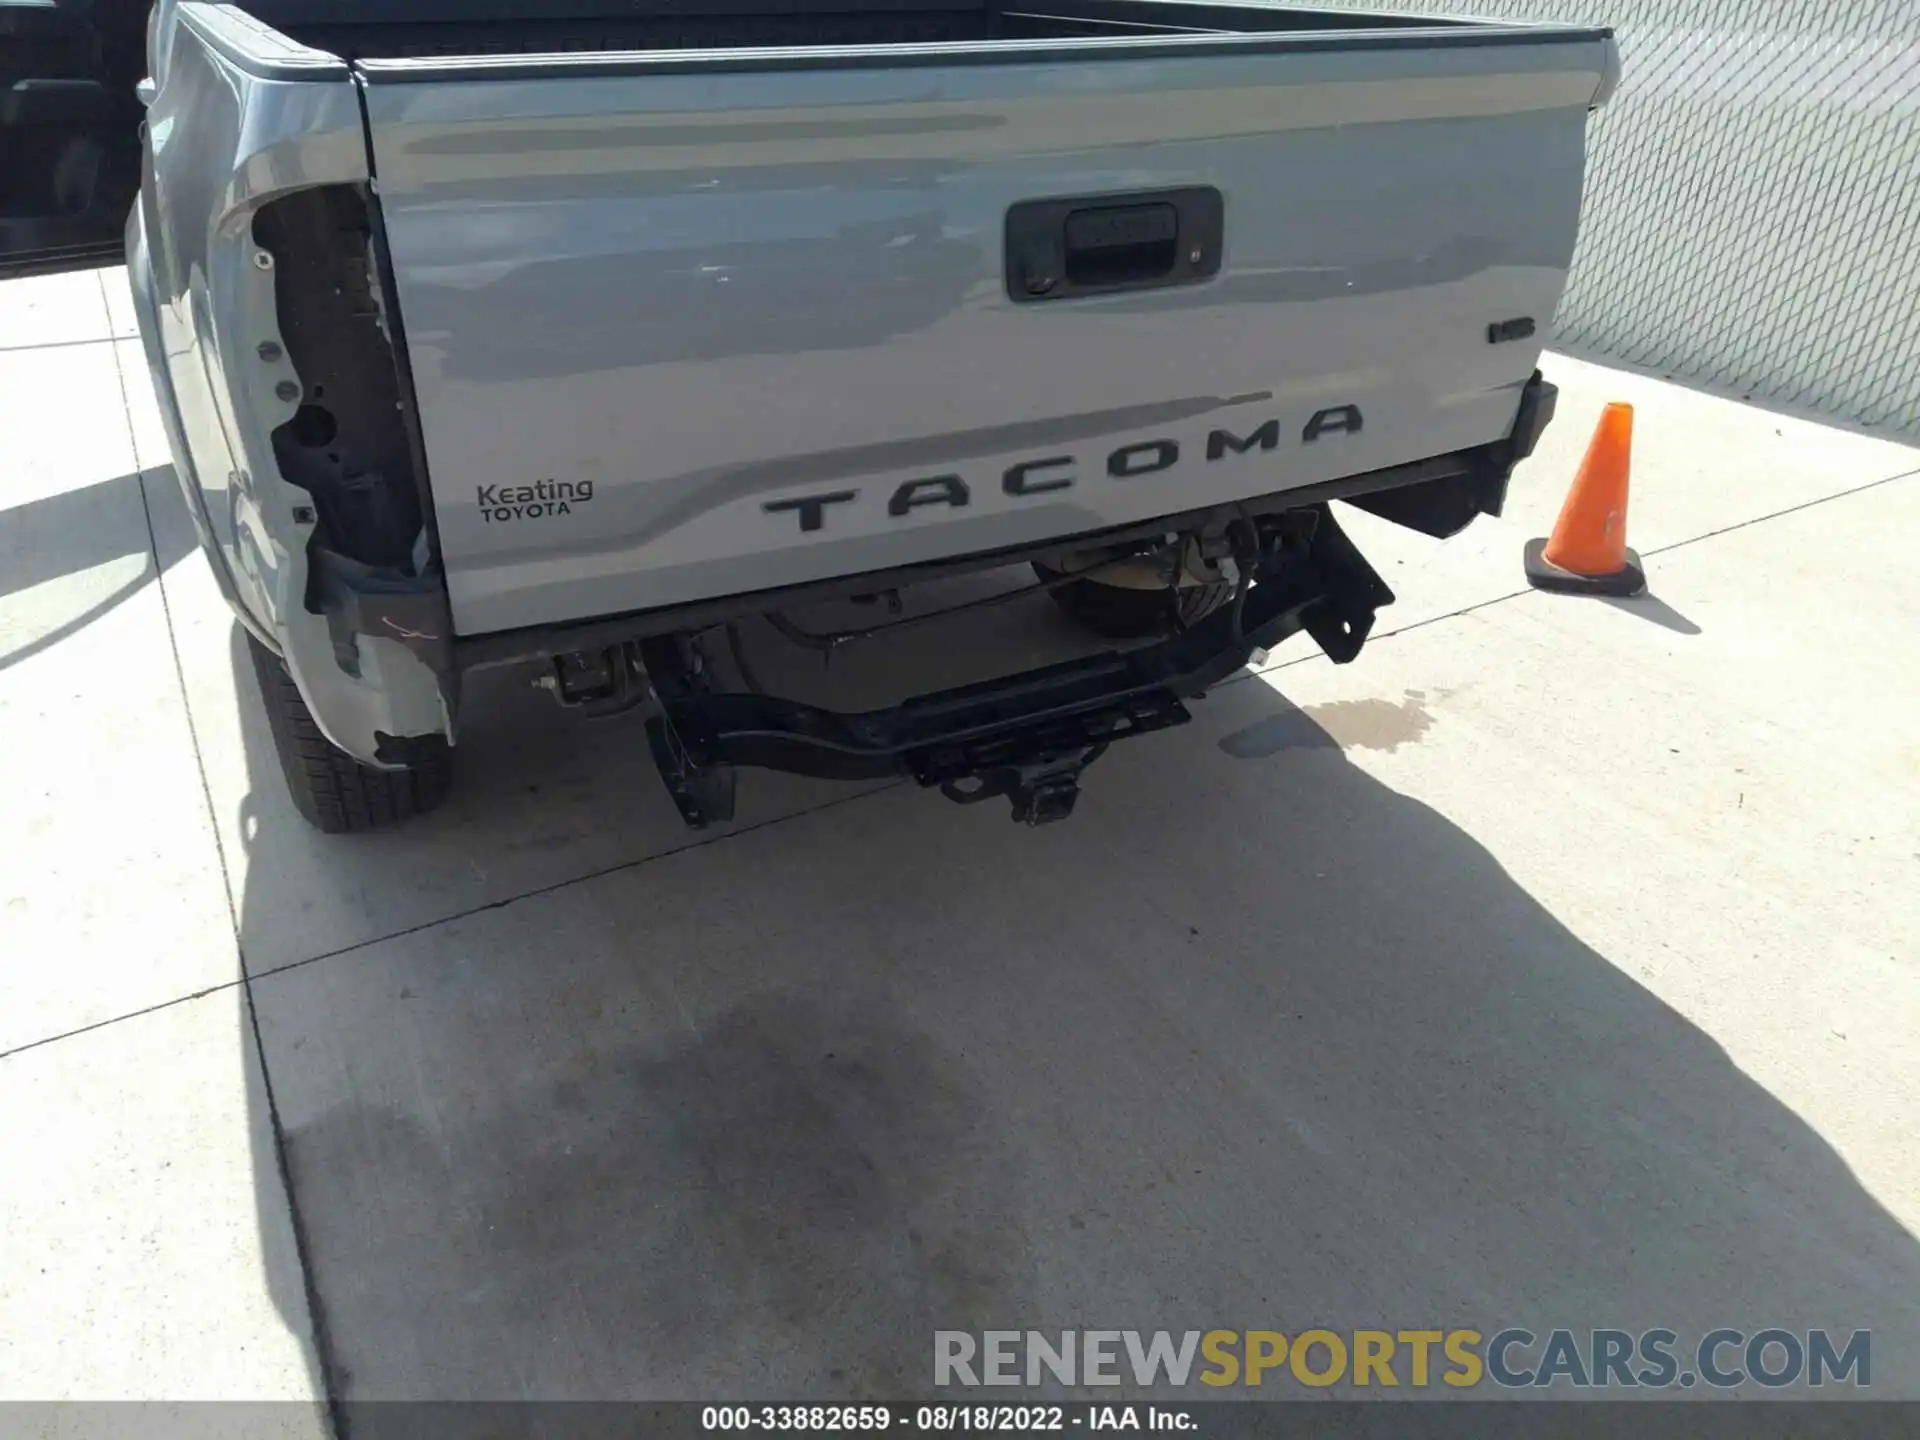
<point>793,1186</point>
<point>1370,724</point>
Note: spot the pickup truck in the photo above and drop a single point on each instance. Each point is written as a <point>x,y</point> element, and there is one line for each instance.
<point>580,334</point>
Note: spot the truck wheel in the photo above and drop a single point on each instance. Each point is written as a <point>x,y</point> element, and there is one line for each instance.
<point>334,791</point>
<point>1121,613</point>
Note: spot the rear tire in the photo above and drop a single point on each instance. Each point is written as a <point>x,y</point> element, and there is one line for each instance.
<point>332,790</point>
<point>1118,612</point>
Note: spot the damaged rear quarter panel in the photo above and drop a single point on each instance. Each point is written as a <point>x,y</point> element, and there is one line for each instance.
<point>241,117</point>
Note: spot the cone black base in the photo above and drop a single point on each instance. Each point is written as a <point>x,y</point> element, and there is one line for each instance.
<point>1543,574</point>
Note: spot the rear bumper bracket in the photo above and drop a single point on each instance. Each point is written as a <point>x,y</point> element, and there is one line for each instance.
<point>1027,737</point>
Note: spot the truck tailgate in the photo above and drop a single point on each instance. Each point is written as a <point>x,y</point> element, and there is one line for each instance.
<point>684,326</point>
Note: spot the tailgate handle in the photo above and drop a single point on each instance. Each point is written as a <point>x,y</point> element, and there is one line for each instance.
<point>1120,244</point>
<point>1101,244</point>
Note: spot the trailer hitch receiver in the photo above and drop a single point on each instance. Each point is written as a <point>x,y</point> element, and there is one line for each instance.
<point>1041,792</point>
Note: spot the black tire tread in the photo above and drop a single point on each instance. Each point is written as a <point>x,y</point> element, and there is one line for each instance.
<point>333,791</point>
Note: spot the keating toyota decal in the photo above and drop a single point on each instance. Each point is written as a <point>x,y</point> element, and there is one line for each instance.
<point>531,502</point>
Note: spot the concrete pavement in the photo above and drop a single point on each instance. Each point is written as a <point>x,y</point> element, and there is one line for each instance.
<point>1553,964</point>
<point>146,1249</point>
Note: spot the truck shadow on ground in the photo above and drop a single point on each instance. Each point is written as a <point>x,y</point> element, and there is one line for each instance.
<point>97,532</point>
<point>1251,1042</point>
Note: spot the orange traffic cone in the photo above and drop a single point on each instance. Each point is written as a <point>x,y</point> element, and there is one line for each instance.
<point>1587,553</point>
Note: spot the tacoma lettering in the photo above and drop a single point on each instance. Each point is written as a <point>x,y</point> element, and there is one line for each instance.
<point>1267,437</point>
<point>1028,477</point>
<point>1134,461</point>
<point>811,507</point>
<point>1147,458</point>
<point>1340,417</point>
<point>940,490</point>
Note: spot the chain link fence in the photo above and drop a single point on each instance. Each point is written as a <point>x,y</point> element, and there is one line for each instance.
<point>1752,221</point>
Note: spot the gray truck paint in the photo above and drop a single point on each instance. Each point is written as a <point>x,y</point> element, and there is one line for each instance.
<point>239,115</point>
<point>703,284</point>
<point>690,292</point>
